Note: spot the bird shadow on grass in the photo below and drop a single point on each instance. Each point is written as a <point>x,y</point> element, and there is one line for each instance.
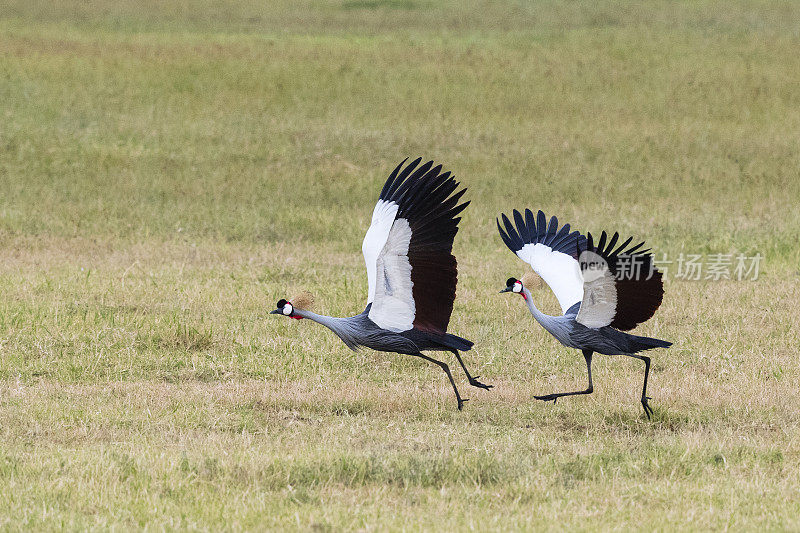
<point>623,418</point>
<point>380,4</point>
<point>663,420</point>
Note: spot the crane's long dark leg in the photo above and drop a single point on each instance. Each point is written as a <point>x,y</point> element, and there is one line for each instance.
<point>587,354</point>
<point>647,409</point>
<point>472,380</point>
<point>446,369</point>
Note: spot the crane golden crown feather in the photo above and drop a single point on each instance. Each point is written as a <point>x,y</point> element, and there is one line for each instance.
<point>304,300</point>
<point>531,280</point>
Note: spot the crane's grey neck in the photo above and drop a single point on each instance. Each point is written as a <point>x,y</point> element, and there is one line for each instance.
<point>538,315</point>
<point>340,326</point>
<point>327,321</point>
<point>550,323</point>
<point>559,327</point>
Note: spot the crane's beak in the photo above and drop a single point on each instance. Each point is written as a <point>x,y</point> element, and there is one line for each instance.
<point>507,289</point>
<point>275,312</point>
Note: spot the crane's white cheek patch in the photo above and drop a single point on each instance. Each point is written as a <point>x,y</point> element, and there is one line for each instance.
<point>394,308</point>
<point>287,310</point>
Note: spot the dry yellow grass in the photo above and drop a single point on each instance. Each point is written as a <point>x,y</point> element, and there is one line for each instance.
<point>154,388</point>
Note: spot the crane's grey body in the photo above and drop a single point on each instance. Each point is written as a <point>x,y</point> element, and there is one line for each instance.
<point>411,271</point>
<point>605,340</point>
<point>359,331</point>
<point>573,334</point>
<point>600,297</point>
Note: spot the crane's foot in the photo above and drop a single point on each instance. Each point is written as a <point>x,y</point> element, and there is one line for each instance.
<point>548,398</point>
<point>475,383</point>
<point>647,409</point>
<point>461,403</point>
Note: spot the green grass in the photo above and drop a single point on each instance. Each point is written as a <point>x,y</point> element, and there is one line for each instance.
<point>168,170</point>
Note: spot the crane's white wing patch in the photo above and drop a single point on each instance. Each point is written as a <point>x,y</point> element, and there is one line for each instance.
<point>560,271</point>
<point>375,240</point>
<point>599,304</point>
<point>393,307</point>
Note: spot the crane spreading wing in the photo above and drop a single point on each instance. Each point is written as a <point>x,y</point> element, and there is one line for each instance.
<point>549,250</point>
<point>411,270</point>
<point>622,287</point>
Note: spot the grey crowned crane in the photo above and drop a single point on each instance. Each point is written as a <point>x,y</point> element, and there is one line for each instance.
<point>411,271</point>
<point>602,289</point>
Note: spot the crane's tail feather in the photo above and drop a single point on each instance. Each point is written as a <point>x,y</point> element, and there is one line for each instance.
<point>457,343</point>
<point>648,343</point>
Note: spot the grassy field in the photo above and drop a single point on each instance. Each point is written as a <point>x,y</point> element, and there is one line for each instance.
<point>168,170</point>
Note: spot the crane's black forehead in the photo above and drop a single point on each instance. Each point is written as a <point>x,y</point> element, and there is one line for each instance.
<point>510,281</point>
<point>281,302</point>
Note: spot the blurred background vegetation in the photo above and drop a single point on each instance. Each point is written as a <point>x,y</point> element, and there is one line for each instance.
<point>263,122</point>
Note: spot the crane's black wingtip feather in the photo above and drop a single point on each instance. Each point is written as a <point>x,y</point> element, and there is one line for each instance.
<point>536,229</point>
